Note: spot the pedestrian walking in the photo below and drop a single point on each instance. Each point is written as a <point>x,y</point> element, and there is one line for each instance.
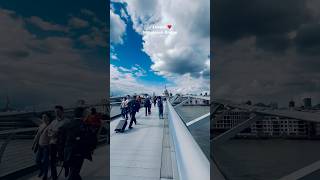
<point>124,108</point>
<point>147,106</point>
<point>134,107</point>
<point>154,101</point>
<point>56,133</point>
<point>41,147</point>
<point>160,106</point>
<point>81,140</point>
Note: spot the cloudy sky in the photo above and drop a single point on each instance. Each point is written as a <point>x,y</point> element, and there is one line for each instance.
<point>266,50</point>
<point>159,42</point>
<point>52,52</point>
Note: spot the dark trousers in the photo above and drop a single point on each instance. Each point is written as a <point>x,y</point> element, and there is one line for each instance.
<point>133,119</point>
<point>148,109</point>
<point>42,160</point>
<point>53,161</point>
<point>160,112</point>
<point>76,163</point>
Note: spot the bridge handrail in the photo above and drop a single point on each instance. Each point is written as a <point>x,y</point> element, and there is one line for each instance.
<point>191,161</point>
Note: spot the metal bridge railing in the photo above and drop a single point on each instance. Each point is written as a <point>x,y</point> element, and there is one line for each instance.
<point>191,161</point>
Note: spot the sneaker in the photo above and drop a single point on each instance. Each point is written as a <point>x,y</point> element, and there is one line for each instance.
<point>130,127</point>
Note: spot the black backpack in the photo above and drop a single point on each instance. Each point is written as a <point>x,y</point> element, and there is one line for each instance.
<point>132,106</point>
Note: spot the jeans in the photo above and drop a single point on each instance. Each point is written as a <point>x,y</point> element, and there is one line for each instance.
<point>42,159</point>
<point>148,109</point>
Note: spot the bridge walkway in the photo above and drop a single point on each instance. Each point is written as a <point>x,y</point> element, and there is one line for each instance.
<point>142,153</point>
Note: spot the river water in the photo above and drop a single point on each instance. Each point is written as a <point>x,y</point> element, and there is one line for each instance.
<point>265,159</point>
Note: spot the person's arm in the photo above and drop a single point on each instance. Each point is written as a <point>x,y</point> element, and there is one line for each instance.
<point>36,139</point>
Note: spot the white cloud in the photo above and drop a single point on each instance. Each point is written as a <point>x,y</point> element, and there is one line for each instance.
<point>175,55</point>
<point>96,37</point>
<point>186,84</point>
<point>44,25</point>
<point>117,28</point>
<point>124,81</point>
<point>78,23</point>
<point>114,56</point>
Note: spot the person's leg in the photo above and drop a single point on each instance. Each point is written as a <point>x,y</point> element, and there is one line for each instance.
<point>131,120</point>
<point>39,156</point>
<point>78,167</point>
<point>53,156</point>
<point>134,120</point>
<point>66,168</point>
<point>45,162</point>
<point>75,168</point>
<point>146,109</point>
<point>126,113</point>
<point>161,111</point>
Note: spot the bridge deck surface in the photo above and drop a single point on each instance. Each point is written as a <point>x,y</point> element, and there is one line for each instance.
<point>136,153</point>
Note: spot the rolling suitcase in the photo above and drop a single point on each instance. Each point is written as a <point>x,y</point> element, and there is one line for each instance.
<point>121,126</point>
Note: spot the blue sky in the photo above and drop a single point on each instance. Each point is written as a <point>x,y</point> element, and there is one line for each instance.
<point>130,54</point>
<point>142,60</point>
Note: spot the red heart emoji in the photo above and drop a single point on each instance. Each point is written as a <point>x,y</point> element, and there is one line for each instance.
<point>169,26</point>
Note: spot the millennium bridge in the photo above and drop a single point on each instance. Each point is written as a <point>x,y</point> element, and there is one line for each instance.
<point>154,149</point>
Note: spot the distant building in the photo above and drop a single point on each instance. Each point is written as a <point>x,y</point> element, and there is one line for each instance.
<point>165,93</point>
<point>307,103</point>
<point>195,101</point>
<point>7,106</point>
<point>268,126</point>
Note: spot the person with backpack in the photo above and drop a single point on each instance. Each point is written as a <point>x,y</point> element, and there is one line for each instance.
<point>147,105</point>
<point>81,140</point>
<point>41,147</point>
<point>56,133</point>
<point>93,119</point>
<point>154,101</point>
<point>160,106</point>
<point>134,107</point>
